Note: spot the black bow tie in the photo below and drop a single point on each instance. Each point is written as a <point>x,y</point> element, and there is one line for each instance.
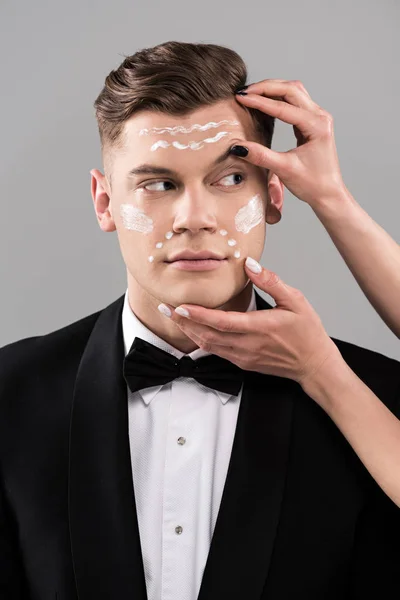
<point>146,365</point>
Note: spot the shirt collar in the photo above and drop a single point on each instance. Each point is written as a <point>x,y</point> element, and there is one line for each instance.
<point>132,327</point>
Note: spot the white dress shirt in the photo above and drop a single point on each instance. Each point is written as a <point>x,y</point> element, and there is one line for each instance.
<point>181,437</point>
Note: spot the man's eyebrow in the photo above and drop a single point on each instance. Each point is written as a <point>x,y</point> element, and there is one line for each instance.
<point>148,169</point>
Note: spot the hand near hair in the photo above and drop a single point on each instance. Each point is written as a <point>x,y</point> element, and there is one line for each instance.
<point>311,171</point>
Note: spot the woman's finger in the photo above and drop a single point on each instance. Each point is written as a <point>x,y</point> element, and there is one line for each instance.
<point>234,354</point>
<point>308,122</point>
<point>292,92</point>
<point>280,163</point>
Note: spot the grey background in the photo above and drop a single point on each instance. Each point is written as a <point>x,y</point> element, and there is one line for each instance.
<point>57,266</point>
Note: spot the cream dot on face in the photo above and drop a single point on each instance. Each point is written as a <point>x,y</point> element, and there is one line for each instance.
<point>223,232</point>
<point>250,215</point>
<point>169,235</point>
<point>159,245</point>
<point>232,242</point>
<point>151,258</point>
<point>237,254</point>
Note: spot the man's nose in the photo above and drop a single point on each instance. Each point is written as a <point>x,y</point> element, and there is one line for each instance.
<point>195,209</point>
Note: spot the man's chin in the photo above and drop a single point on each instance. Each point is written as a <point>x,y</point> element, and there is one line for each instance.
<point>205,300</point>
<point>202,296</point>
<point>202,291</point>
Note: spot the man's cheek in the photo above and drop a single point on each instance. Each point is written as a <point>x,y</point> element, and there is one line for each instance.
<point>246,218</point>
<point>250,215</point>
<point>158,245</point>
<point>135,219</point>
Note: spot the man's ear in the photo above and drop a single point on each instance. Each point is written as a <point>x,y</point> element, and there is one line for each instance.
<point>101,199</point>
<point>275,199</point>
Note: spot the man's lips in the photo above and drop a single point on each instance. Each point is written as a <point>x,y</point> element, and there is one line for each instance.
<point>204,264</point>
<point>191,256</point>
<point>195,260</point>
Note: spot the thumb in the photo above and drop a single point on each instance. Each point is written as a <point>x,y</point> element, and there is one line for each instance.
<point>261,156</point>
<point>269,282</point>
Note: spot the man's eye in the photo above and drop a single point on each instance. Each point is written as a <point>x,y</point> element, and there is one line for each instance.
<point>164,186</point>
<point>159,184</point>
<point>237,178</point>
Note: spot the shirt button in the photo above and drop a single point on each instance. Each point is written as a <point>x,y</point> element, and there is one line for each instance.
<point>178,530</point>
<point>181,441</point>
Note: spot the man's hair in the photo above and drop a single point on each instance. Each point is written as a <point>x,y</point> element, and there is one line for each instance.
<point>174,78</point>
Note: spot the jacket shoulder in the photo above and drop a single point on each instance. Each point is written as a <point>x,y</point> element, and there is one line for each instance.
<point>361,358</point>
<point>379,372</point>
<point>30,354</point>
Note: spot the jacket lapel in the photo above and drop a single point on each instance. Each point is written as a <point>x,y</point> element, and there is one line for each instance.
<point>241,547</point>
<point>104,530</point>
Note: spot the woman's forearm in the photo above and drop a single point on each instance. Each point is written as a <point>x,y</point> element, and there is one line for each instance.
<point>369,426</point>
<point>371,254</point>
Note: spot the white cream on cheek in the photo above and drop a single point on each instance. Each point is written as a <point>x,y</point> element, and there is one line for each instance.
<point>246,218</point>
<point>250,215</point>
<point>135,219</point>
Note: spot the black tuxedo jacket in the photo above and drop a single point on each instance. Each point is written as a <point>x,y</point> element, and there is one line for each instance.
<point>300,516</point>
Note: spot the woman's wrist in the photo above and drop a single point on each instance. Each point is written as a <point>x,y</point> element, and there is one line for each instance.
<point>336,207</point>
<point>330,382</point>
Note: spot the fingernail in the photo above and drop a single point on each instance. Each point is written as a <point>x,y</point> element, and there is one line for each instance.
<point>241,151</point>
<point>164,310</point>
<point>253,265</point>
<point>182,311</point>
<point>241,89</point>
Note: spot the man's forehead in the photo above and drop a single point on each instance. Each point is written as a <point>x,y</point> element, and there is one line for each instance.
<point>227,114</point>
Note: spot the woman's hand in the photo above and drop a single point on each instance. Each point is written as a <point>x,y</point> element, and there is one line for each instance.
<point>288,340</point>
<point>311,171</point>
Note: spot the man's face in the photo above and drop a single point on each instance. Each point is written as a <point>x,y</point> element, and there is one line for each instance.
<point>175,189</point>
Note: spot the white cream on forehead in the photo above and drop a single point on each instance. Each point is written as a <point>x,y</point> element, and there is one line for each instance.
<point>250,215</point>
<point>182,129</point>
<point>135,219</point>
<point>191,145</point>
